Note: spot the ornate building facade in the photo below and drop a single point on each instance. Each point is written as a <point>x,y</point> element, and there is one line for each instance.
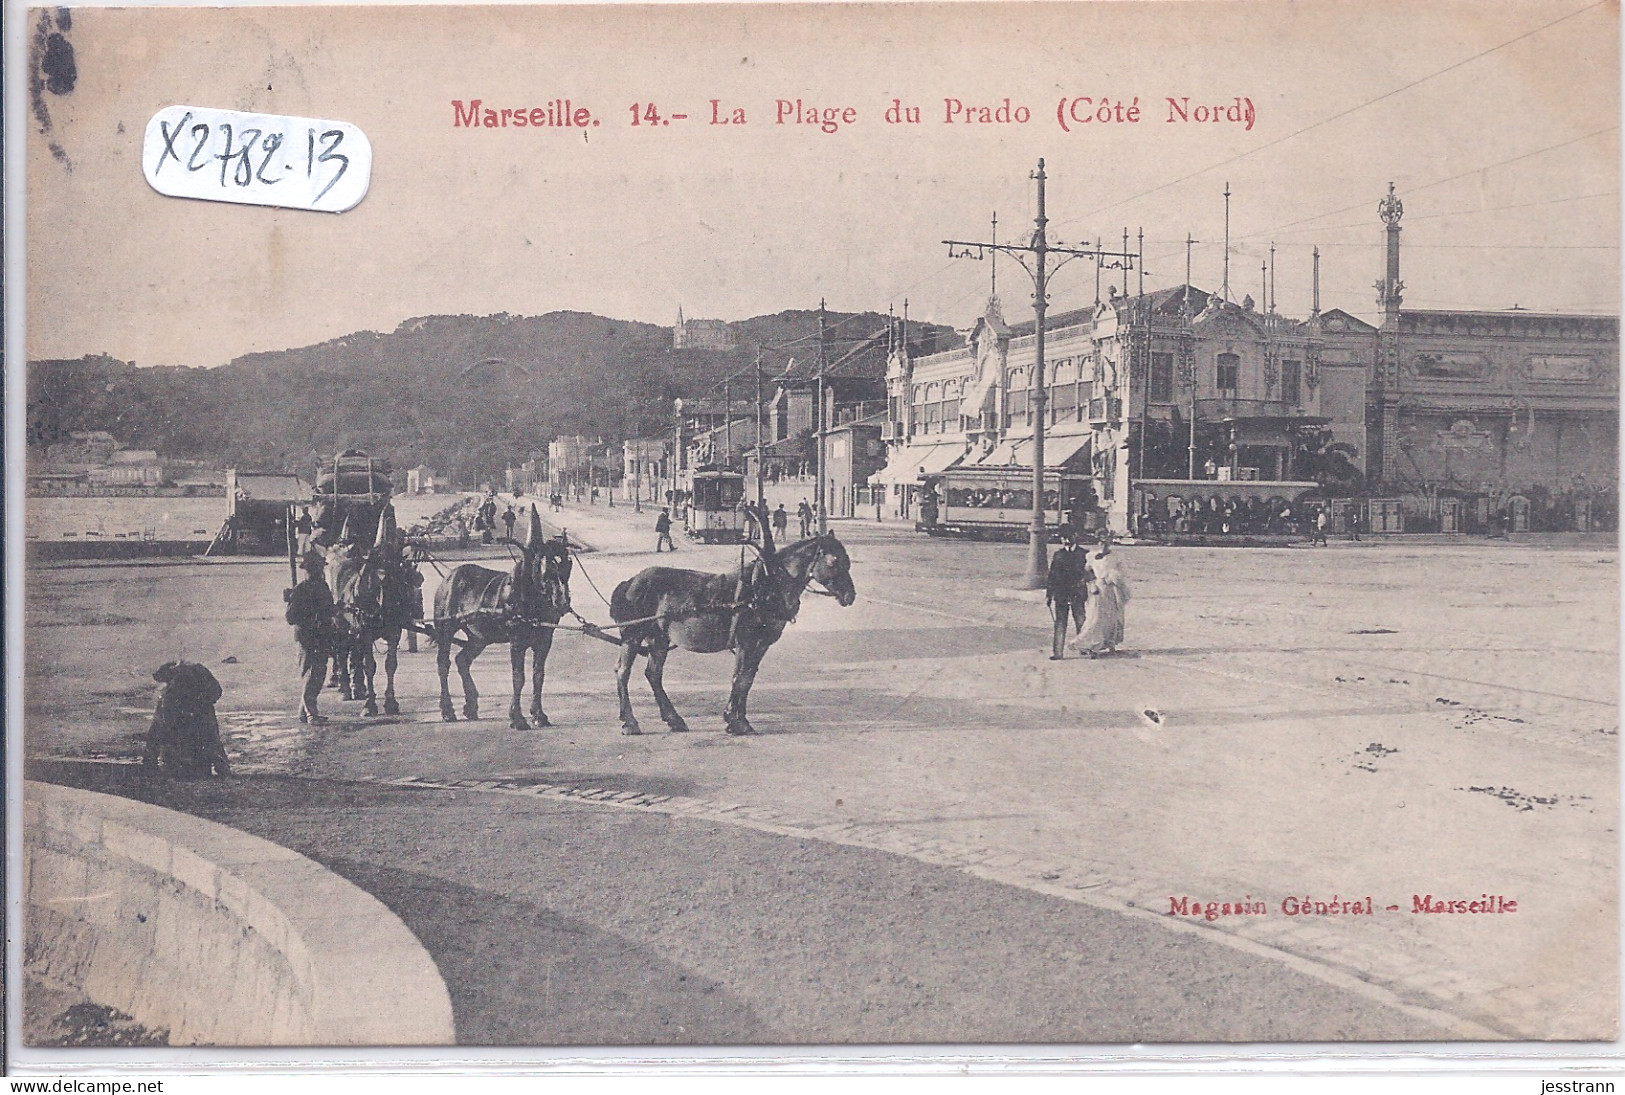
<point>1435,421</point>
<point>1476,417</point>
<point>1172,385</point>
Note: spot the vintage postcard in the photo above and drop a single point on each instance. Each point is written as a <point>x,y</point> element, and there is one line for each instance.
<point>814,525</point>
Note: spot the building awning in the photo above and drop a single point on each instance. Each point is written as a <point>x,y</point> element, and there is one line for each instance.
<point>910,462</point>
<point>1058,452</point>
<point>1066,449</point>
<point>1000,455</point>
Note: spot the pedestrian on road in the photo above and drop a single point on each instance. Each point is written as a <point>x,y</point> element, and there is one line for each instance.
<point>184,739</point>
<point>1066,591</point>
<point>781,522</point>
<point>1108,602</point>
<point>304,527</point>
<point>1317,535</point>
<point>804,514</point>
<point>508,519</point>
<point>488,519</point>
<point>1354,523</point>
<point>310,611</point>
<point>663,539</point>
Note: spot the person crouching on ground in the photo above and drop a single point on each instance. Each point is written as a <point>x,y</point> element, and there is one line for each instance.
<point>184,739</point>
<point>310,611</point>
<point>1108,601</point>
<point>1067,590</point>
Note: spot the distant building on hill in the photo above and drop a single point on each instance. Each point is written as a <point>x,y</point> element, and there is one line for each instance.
<point>701,334</point>
<point>129,468</point>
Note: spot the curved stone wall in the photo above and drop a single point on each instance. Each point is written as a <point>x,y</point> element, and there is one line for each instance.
<point>217,936</point>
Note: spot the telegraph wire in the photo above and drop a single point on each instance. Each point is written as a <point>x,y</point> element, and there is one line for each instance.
<point>1411,218</point>
<point>1345,113</point>
<point>1409,190</point>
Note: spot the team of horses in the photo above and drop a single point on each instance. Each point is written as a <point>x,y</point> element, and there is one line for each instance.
<point>658,610</point>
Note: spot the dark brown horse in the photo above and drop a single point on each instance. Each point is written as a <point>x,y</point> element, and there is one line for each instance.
<point>489,606</point>
<point>373,593</point>
<point>745,612</point>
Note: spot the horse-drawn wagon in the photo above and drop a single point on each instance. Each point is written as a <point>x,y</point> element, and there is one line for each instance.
<point>352,488</point>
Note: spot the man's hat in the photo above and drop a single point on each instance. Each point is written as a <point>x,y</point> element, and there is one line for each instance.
<point>312,560</point>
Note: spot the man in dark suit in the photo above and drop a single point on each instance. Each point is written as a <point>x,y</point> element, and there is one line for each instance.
<point>1067,590</point>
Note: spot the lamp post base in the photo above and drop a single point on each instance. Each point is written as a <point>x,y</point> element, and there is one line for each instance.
<point>1037,575</point>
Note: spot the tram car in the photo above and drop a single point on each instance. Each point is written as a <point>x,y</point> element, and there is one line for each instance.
<point>714,514</point>
<point>979,503</point>
<point>353,487</point>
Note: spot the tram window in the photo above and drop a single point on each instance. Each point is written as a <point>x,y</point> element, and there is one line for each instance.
<point>729,492</point>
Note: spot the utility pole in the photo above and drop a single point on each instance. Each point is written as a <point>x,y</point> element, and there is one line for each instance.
<point>761,451</point>
<point>823,517</point>
<point>1187,364</point>
<point>1125,265</point>
<point>727,425</point>
<point>1038,253</point>
<point>1140,251</point>
<point>677,454</point>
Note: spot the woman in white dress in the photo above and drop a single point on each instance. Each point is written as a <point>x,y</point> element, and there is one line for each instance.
<point>1108,601</point>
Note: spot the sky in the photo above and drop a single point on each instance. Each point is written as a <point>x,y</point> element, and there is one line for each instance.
<point>1498,123</point>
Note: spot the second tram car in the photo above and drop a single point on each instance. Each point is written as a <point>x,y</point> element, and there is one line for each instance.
<point>996,503</point>
<point>714,514</point>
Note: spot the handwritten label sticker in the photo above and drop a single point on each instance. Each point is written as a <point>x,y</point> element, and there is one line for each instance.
<point>256,159</point>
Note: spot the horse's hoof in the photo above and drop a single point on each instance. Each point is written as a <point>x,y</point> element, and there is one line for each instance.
<point>370,709</point>
<point>678,726</point>
<point>539,720</point>
<point>518,723</point>
<point>631,729</point>
<point>741,728</point>
<point>471,713</point>
<point>448,715</point>
<point>391,707</point>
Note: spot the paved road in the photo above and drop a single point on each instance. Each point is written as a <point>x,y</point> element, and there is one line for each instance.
<point>560,923</point>
<point>1369,719</point>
